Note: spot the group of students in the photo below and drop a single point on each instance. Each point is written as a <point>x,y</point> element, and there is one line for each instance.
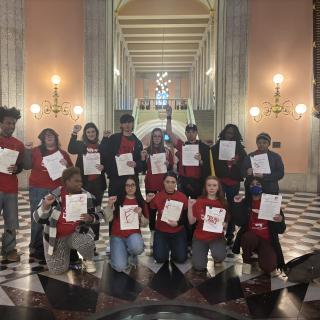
<point>190,192</point>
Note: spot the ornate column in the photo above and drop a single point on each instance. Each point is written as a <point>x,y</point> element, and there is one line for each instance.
<point>231,63</point>
<point>98,63</point>
<point>11,58</point>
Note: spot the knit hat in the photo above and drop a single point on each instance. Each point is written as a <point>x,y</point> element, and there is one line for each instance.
<point>265,136</point>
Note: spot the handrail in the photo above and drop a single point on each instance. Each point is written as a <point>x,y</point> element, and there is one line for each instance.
<point>135,113</point>
<point>190,114</point>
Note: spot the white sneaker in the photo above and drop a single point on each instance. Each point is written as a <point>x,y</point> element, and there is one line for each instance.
<point>246,268</point>
<point>90,266</point>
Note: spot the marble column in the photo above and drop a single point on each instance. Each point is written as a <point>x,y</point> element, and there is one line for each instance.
<point>11,58</point>
<point>98,62</point>
<point>231,24</point>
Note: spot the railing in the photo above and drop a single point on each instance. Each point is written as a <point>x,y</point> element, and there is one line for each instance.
<point>157,104</point>
<point>135,113</point>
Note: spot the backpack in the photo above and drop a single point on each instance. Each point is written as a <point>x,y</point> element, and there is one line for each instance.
<point>304,268</point>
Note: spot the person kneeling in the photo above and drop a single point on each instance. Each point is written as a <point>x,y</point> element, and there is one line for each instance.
<point>170,207</point>
<point>257,235</point>
<point>128,212</point>
<point>209,211</point>
<point>64,227</point>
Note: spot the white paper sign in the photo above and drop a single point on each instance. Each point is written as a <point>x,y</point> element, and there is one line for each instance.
<point>227,150</point>
<point>157,161</point>
<point>172,210</point>
<point>123,168</point>
<point>76,204</point>
<point>188,153</point>
<point>8,158</point>
<point>128,218</point>
<point>270,206</point>
<point>53,165</point>
<point>214,219</point>
<point>90,161</point>
<point>260,164</point>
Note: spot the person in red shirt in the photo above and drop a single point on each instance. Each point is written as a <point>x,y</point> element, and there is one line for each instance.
<point>153,181</point>
<point>40,183</point>
<point>204,238</point>
<point>89,144</point>
<point>170,233</point>
<point>62,234</point>
<point>9,182</point>
<point>257,235</point>
<point>128,211</point>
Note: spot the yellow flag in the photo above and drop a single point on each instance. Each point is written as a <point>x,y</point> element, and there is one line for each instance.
<point>213,173</point>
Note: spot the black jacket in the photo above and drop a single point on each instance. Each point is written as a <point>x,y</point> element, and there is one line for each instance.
<point>204,150</point>
<point>241,213</point>
<point>269,181</point>
<point>79,147</point>
<point>109,148</point>
<point>221,166</point>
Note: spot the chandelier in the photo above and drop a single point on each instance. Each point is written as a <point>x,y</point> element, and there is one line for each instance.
<point>47,107</point>
<point>276,107</point>
<point>162,83</point>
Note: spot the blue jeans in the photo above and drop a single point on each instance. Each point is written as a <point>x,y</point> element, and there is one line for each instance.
<point>36,241</point>
<point>165,242</point>
<point>123,248</point>
<point>230,192</point>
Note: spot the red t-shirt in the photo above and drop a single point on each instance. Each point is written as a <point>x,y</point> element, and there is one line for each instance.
<point>39,177</point>
<point>199,211</point>
<point>126,145</point>
<point>9,182</point>
<point>92,148</point>
<point>259,226</point>
<point>116,230</point>
<point>154,182</point>
<point>187,171</point>
<point>65,228</point>
<point>158,203</point>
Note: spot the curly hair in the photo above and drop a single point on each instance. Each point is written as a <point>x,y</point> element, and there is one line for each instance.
<point>9,112</point>
<point>69,173</point>
<point>237,134</point>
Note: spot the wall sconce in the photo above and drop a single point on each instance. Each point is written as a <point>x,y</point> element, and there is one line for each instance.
<point>209,71</point>
<point>286,108</point>
<point>47,107</point>
<point>116,72</point>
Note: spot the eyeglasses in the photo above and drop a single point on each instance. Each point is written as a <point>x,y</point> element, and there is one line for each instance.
<point>132,185</point>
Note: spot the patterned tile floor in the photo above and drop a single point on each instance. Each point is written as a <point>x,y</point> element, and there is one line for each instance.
<point>28,291</point>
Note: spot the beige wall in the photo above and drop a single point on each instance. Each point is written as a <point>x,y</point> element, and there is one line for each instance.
<point>53,45</point>
<point>280,41</point>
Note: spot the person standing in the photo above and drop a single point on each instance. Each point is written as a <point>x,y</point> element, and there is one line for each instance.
<point>270,181</point>
<point>9,182</point>
<point>118,144</point>
<point>40,183</point>
<point>229,171</point>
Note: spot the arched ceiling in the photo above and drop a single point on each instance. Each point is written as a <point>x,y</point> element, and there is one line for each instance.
<point>163,35</point>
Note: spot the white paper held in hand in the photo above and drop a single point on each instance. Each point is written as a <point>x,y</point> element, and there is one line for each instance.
<point>129,220</point>
<point>172,210</point>
<point>188,153</point>
<point>214,219</point>
<point>260,164</point>
<point>123,168</point>
<point>53,165</point>
<point>8,158</point>
<point>227,150</point>
<point>270,206</point>
<point>76,204</point>
<point>90,162</point>
<point>157,161</point>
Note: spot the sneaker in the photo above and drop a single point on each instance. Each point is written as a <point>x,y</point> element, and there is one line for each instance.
<point>90,266</point>
<point>246,268</point>
<point>12,256</point>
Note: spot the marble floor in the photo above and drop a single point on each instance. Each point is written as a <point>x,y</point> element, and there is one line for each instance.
<point>163,291</point>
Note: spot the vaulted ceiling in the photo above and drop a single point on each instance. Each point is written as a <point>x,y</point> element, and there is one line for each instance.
<point>163,35</point>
